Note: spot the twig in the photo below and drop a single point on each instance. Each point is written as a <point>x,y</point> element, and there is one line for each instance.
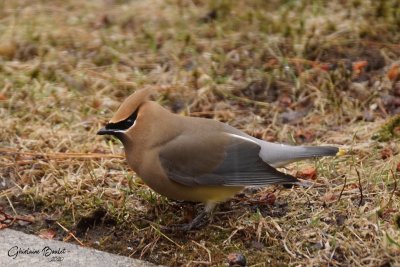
<point>206,249</point>
<point>276,225</point>
<point>392,241</point>
<point>11,205</point>
<point>9,220</point>
<point>70,234</point>
<point>59,155</point>
<point>148,246</point>
<point>393,192</point>
<point>228,240</point>
<point>394,189</point>
<point>286,247</point>
<point>242,99</point>
<point>341,192</point>
<point>359,187</point>
<point>359,184</point>
<point>381,44</point>
<point>164,235</point>
<point>190,263</point>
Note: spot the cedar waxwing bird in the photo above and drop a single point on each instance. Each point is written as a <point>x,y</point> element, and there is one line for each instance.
<point>198,159</point>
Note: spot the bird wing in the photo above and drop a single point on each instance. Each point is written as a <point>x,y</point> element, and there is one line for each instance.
<point>218,159</point>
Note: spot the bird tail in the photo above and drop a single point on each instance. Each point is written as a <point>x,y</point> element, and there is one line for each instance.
<point>278,155</point>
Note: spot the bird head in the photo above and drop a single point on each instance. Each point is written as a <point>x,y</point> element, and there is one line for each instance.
<point>126,115</point>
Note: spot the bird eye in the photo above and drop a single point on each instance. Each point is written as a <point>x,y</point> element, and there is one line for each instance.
<point>125,124</point>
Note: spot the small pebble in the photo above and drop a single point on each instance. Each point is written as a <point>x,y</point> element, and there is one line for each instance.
<point>237,259</point>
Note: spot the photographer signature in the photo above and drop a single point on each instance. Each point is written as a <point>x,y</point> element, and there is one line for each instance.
<point>47,251</point>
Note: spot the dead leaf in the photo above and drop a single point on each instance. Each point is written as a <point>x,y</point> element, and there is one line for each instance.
<point>352,186</point>
<point>271,63</point>
<point>3,97</point>
<point>47,234</point>
<point>103,21</point>
<point>268,198</point>
<point>302,136</point>
<point>387,152</point>
<point>386,213</point>
<point>328,197</point>
<point>358,66</point>
<point>309,173</point>
<point>285,101</point>
<point>96,103</point>
<point>8,50</point>
<point>393,72</point>
<point>324,66</point>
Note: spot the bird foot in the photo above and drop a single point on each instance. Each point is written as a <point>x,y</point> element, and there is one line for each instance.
<point>196,223</point>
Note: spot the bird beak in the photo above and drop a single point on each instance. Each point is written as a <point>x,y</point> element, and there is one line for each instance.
<point>104,131</point>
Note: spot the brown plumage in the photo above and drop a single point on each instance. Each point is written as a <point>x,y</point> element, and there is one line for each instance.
<point>196,159</point>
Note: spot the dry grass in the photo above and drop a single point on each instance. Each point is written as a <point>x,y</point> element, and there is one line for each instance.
<point>287,71</point>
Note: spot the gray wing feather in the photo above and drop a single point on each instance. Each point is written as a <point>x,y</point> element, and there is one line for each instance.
<point>240,166</point>
<point>279,154</point>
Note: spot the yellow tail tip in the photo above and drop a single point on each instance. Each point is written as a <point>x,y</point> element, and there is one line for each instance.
<point>341,152</point>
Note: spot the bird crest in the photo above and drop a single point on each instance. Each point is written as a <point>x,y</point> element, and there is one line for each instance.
<point>131,105</point>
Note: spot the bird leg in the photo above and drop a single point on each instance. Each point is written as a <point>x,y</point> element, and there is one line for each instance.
<point>196,223</point>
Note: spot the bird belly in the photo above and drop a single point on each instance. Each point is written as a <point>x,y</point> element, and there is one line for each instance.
<point>213,193</point>
<point>170,189</point>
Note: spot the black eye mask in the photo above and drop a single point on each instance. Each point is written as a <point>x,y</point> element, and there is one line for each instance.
<point>125,124</point>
